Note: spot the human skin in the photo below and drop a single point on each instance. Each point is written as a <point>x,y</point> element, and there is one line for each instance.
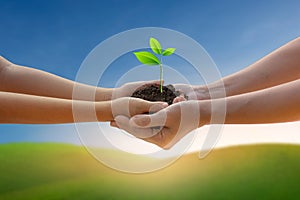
<point>31,109</point>
<point>25,80</point>
<point>31,96</point>
<point>280,66</point>
<point>265,92</point>
<point>272,105</point>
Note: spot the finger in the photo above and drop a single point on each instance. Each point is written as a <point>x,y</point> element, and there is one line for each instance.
<point>138,106</point>
<point>123,123</point>
<point>179,99</point>
<point>163,139</point>
<point>114,124</point>
<point>157,106</point>
<point>188,91</point>
<point>155,136</point>
<point>148,121</point>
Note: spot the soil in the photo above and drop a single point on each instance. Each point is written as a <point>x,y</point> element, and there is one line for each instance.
<point>152,93</point>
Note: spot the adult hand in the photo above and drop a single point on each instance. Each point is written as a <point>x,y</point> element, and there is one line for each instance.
<point>190,92</point>
<point>165,127</point>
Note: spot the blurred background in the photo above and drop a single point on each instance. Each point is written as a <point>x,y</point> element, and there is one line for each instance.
<point>57,35</point>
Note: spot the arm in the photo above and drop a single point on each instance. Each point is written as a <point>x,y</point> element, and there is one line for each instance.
<point>272,105</point>
<point>30,109</point>
<point>280,66</point>
<point>25,80</point>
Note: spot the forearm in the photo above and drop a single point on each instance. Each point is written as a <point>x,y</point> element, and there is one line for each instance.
<point>280,66</point>
<point>272,105</point>
<point>29,109</point>
<point>25,80</point>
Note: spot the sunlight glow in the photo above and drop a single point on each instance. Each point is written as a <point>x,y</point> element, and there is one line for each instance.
<point>232,135</point>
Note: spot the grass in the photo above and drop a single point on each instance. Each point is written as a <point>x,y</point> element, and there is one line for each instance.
<point>59,171</point>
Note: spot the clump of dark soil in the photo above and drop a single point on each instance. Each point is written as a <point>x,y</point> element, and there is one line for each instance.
<point>152,93</point>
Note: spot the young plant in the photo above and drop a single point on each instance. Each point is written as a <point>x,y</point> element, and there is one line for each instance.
<point>148,58</point>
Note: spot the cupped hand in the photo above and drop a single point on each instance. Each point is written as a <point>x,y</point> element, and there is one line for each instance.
<point>190,92</point>
<point>165,127</point>
<point>129,106</point>
<point>127,89</point>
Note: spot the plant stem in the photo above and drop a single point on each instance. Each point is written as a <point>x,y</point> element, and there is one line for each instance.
<point>161,74</point>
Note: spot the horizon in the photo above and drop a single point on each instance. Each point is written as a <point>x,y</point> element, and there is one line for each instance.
<point>56,36</point>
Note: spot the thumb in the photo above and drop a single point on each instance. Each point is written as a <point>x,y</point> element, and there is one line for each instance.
<point>179,99</point>
<point>157,106</point>
<point>148,121</point>
<point>140,106</point>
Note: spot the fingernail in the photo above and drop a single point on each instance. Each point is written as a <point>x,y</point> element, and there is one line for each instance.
<point>165,105</point>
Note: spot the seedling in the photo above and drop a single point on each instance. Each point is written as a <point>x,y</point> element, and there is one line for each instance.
<point>148,58</point>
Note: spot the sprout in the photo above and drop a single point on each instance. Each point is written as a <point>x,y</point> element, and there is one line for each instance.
<point>148,58</point>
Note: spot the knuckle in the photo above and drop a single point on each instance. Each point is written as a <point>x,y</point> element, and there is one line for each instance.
<point>134,106</point>
<point>143,121</point>
<point>140,106</point>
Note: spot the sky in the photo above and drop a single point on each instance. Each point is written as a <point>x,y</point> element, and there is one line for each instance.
<point>57,35</point>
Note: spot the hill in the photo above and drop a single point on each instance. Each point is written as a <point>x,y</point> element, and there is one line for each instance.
<point>60,171</point>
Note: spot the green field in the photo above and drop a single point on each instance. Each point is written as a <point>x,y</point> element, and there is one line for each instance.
<point>59,171</point>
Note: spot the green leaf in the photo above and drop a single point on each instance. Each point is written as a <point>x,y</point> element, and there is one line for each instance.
<point>168,51</point>
<point>155,46</point>
<point>147,58</point>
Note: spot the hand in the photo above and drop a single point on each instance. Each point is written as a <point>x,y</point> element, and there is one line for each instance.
<point>127,89</point>
<point>129,106</point>
<point>165,127</point>
<point>190,92</point>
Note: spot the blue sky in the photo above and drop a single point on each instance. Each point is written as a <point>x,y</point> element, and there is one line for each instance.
<point>57,35</point>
